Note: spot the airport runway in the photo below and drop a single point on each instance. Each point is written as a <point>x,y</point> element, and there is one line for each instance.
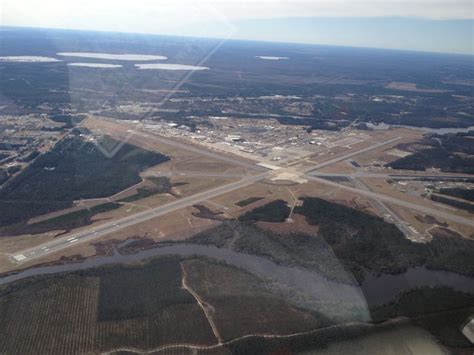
<point>199,174</point>
<point>93,233</point>
<point>363,174</point>
<point>192,148</point>
<point>396,201</point>
<point>113,226</point>
<point>349,155</point>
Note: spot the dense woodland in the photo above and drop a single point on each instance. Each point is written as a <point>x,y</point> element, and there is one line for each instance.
<point>361,242</point>
<point>74,169</point>
<point>340,83</point>
<point>449,153</point>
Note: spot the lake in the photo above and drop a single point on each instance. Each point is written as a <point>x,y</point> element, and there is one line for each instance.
<point>111,56</point>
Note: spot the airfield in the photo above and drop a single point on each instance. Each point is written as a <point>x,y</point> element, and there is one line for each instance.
<point>344,169</point>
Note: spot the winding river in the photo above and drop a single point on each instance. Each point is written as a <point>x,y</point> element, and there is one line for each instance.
<point>313,288</point>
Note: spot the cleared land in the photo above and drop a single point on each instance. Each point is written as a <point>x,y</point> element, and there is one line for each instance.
<point>141,307</point>
<point>240,305</point>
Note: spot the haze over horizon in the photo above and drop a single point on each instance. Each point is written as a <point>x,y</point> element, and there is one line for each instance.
<point>421,25</point>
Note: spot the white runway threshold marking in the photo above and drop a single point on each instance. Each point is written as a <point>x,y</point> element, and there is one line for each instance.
<point>19,257</point>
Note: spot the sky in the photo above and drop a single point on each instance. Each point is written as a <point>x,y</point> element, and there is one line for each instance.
<point>426,25</point>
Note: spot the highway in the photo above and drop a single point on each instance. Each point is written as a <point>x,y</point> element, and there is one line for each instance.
<point>118,224</point>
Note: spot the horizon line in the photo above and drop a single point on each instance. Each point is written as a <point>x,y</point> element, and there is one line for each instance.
<point>415,51</point>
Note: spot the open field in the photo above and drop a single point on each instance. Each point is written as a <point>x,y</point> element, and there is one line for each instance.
<point>185,159</point>
<point>240,305</point>
<point>109,312</point>
<point>411,87</point>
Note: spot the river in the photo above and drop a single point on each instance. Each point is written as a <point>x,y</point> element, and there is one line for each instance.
<point>313,288</point>
<point>440,131</point>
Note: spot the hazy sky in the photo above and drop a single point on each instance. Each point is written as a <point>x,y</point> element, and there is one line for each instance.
<point>376,23</point>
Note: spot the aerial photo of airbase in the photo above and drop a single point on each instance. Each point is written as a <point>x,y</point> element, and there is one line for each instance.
<point>274,198</point>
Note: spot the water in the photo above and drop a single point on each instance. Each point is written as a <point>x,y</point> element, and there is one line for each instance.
<point>305,288</point>
<point>440,131</point>
<point>312,288</point>
<point>110,56</point>
<point>169,66</point>
<point>383,289</point>
<point>272,58</point>
<point>95,65</point>
<point>28,59</point>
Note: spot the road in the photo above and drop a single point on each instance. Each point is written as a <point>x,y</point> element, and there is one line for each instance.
<point>125,222</point>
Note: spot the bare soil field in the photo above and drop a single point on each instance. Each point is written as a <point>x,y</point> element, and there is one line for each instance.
<point>297,225</point>
<point>412,87</point>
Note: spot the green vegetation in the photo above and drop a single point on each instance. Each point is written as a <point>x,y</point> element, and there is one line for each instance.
<point>310,252</point>
<point>100,310</point>
<point>312,342</point>
<point>75,219</point>
<point>462,205</point>
<point>348,239</point>
<point>70,121</point>
<point>4,176</point>
<point>450,153</point>
<point>72,170</point>
<point>248,201</point>
<point>242,304</point>
<point>128,293</point>
<point>442,311</point>
<point>367,243</point>
<point>276,211</point>
<point>65,222</point>
<point>465,194</point>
